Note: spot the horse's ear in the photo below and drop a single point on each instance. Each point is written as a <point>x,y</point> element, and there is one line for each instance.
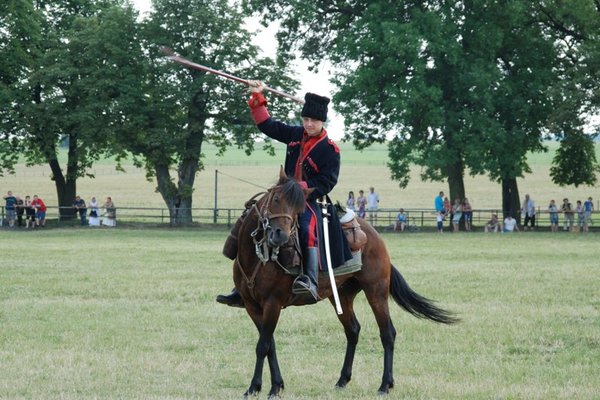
<point>282,174</point>
<point>308,191</point>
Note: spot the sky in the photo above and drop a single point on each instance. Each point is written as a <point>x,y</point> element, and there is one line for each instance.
<point>310,82</point>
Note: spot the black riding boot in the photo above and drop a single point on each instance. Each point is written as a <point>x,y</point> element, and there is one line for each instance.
<point>233,299</point>
<point>308,282</point>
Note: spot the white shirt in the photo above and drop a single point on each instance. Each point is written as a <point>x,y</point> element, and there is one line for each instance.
<point>509,224</point>
<point>372,200</point>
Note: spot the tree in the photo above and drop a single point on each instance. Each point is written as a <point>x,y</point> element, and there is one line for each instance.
<point>458,85</point>
<point>68,89</point>
<point>182,108</point>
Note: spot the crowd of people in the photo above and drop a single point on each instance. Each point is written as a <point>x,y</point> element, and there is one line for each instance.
<point>31,212</point>
<point>582,212</point>
<point>363,204</point>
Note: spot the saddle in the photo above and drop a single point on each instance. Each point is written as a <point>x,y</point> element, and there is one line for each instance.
<point>290,255</point>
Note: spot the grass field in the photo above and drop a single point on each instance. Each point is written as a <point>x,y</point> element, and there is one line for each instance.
<point>242,176</point>
<point>129,314</point>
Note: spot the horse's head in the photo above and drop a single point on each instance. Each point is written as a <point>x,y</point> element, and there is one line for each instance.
<point>279,212</point>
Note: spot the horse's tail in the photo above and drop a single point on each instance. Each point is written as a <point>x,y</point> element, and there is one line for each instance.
<point>416,304</point>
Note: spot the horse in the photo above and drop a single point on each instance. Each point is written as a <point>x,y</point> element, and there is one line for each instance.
<point>266,288</point>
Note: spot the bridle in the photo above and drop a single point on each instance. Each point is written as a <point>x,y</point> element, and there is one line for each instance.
<point>264,250</point>
<point>262,245</point>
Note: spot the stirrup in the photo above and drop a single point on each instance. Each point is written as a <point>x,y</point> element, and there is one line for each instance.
<point>302,285</point>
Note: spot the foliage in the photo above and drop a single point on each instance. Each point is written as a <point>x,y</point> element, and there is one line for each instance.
<point>66,90</point>
<point>179,108</point>
<point>472,84</point>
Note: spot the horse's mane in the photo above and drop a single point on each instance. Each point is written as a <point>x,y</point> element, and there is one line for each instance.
<point>292,191</point>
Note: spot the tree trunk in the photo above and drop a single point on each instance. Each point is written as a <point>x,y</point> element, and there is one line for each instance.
<point>510,199</point>
<point>456,184</point>
<point>65,190</point>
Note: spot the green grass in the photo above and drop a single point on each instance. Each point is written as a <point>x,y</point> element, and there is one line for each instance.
<point>129,314</point>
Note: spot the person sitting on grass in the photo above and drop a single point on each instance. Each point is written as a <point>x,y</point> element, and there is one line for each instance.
<point>400,221</point>
<point>493,224</point>
<point>510,225</point>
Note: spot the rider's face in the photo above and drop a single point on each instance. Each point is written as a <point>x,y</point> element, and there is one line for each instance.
<point>312,126</point>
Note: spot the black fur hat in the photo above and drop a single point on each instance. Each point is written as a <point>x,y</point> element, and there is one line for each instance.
<point>315,106</point>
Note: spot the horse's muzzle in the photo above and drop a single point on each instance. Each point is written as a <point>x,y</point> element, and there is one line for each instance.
<point>277,237</point>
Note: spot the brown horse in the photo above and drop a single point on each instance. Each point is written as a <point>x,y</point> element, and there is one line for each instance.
<point>266,288</point>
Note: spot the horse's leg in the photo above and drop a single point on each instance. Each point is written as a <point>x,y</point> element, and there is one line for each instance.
<point>351,328</point>
<point>265,322</point>
<point>377,295</point>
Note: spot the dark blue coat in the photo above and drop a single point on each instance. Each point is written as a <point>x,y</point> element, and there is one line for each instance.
<point>320,170</point>
<point>320,167</point>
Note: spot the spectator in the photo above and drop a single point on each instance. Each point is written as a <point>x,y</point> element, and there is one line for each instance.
<point>40,211</point>
<point>553,213</point>
<point>567,210</point>
<point>351,202</point>
<point>29,213</point>
<point>439,217</point>
<point>94,213</point>
<point>510,224</point>
<point>493,224</point>
<point>20,209</point>
<point>528,210</point>
<point>447,207</point>
<point>467,214</point>
<point>79,206</point>
<point>439,203</point>
<point>400,221</point>
<point>361,202</point>
<point>588,208</point>
<point>10,208</point>
<point>372,200</point>
<point>110,213</point>
<point>580,215</point>
<point>456,214</point>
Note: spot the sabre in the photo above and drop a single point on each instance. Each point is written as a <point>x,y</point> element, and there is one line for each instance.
<point>336,297</point>
<point>170,54</point>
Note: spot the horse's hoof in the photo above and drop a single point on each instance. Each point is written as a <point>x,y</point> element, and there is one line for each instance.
<point>341,384</point>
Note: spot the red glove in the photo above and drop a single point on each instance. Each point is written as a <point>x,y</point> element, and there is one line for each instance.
<point>257,100</point>
<point>258,108</point>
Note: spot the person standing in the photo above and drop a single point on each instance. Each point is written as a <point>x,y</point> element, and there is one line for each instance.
<point>567,210</point>
<point>553,213</point>
<point>372,200</point>
<point>456,214</point>
<point>528,210</point>
<point>29,213</point>
<point>40,211</point>
<point>20,210</point>
<point>10,208</point>
<point>79,206</point>
<point>580,215</point>
<point>467,214</point>
<point>361,202</point>
<point>588,208</point>
<point>314,161</point>
<point>438,203</point>
<point>351,201</point>
<point>439,218</point>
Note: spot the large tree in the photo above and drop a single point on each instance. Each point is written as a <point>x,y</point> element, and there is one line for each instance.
<point>66,92</point>
<point>183,108</point>
<point>456,84</point>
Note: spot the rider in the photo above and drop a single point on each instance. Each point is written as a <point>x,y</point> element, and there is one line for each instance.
<point>311,158</point>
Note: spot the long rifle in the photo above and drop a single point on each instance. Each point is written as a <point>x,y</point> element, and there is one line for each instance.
<point>192,65</point>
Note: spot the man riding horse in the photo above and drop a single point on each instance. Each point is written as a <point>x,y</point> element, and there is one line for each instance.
<point>314,161</point>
